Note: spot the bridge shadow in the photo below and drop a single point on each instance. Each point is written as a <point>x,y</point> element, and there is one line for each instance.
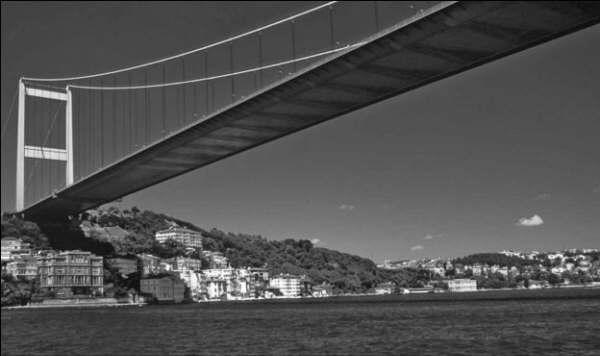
<point>67,235</point>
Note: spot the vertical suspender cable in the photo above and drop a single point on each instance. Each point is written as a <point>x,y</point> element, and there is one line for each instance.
<point>164,100</point>
<point>293,27</point>
<point>184,92</point>
<point>195,98</point>
<point>231,71</point>
<point>88,145</point>
<point>331,30</point>
<point>42,162</point>
<point>376,11</point>
<point>260,59</point>
<point>147,116</point>
<point>176,91</point>
<point>116,146</point>
<point>206,110</point>
<point>130,114</point>
<point>101,131</point>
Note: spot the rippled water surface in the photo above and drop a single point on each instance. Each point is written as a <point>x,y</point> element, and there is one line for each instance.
<point>370,326</point>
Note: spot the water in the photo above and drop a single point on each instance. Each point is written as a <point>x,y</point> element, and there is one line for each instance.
<point>355,326</point>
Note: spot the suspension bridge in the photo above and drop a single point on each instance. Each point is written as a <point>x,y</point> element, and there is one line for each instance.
<point>86,140</point>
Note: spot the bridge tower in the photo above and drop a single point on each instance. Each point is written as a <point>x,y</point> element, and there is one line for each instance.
<point>41,152</point>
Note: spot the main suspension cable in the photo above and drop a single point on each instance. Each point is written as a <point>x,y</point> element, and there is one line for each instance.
<point>230,39</point>
<point>226,75</point>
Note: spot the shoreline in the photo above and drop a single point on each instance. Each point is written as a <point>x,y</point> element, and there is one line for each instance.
<point>72,305</point>
<point>479,295</point>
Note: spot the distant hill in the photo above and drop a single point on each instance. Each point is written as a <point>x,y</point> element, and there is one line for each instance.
<point>493,258</point>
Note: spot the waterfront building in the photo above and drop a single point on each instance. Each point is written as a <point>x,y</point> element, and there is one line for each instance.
<point>165,289</point>
<point>225,283</point>
<point>11,245</point>
<point>71,269</point>
<point>462,285</point>
<point>23,266</point>
<point>150,264</point>
<point>194,281</point>
<point>385,288</point>
<point>288,285</point>
<point>187,237</point>
<point>258,281</point>
<point>216,288</point>
<point>322,290</point>
<point>125,266</point>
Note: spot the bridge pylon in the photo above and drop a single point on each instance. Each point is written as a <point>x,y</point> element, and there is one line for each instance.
<point>42,152</point>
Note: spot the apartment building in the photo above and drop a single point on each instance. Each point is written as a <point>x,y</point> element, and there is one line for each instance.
<point>187,237</point>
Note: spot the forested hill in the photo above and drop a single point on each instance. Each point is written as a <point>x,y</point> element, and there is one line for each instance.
<point>348,273</point>
<point>491,259</point>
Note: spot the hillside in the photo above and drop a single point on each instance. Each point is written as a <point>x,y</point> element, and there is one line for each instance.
<point>346,272</point>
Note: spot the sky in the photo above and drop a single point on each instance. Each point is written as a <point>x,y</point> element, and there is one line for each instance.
<point>504,156</point>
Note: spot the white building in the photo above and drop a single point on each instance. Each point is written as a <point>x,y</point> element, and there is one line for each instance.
<point>187,237</point>
<point>193,280</point>
<point>184,263</point>
<point>477,270</point>
<point>23,266</point>
<point>225,283</point>
<point>12,245</point>
<point>288,285</point>
<point>215,259</point>
<point>462,285</point>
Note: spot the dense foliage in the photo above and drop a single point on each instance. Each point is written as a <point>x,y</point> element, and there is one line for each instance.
<point>491,259</point>
<point>17,291</point>
<point>347,273</point>
<point>26,230</point>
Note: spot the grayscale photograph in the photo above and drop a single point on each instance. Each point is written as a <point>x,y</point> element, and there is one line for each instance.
<point>300,178</point>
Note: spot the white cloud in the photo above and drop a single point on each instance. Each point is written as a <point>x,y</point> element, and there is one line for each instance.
<point>432,236</point>
<point>346,207</point>
<point>535,220</point>
<point>416,248</point>
<point>315,241</point>
<point>596,189</point>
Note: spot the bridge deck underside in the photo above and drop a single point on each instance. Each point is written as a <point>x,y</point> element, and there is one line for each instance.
<point>453,38</point>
